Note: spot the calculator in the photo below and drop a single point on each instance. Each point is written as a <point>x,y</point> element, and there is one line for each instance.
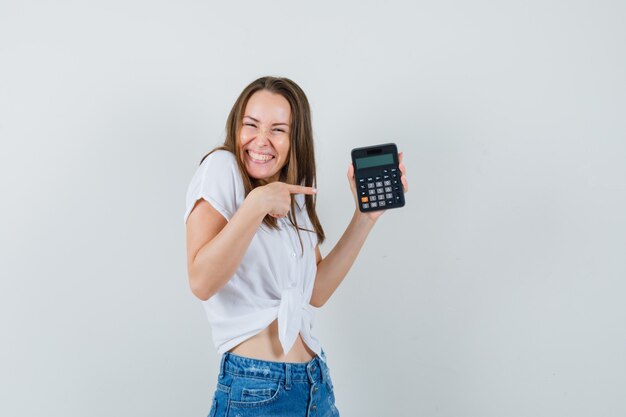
<point>377,177</point>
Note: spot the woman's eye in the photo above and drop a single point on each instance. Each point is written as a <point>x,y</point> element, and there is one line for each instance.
<point>280,130</point>
<point>249,124</point>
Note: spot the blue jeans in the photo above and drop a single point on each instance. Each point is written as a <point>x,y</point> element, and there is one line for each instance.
<point>249,387</point>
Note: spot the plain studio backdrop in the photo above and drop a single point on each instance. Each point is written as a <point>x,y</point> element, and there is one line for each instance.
<point>498,290</point>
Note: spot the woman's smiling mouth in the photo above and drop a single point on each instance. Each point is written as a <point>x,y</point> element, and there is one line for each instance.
<point>259,157</point>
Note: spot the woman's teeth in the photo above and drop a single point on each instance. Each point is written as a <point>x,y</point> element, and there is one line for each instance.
<point>259,157</point>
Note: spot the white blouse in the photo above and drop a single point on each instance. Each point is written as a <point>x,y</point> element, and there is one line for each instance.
<point>274,278</point>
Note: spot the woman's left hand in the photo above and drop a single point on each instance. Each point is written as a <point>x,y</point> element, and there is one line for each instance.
<point>373,215</point>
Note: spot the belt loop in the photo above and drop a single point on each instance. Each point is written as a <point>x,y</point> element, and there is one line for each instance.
<point>287,376</point>
<point>222,364</point>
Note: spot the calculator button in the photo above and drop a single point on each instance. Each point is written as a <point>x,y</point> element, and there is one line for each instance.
<point>387,189</point>
<point>385,171</point>
<point>377,178</point>
<point>388,195</point>
<point>372,192</point>
<point>370,185</point>
<point>398,198</point>
<point>370,179</point>
<point>396,188</point>
<point>374,204</point>
<point>387,182</point>
<point>361,180</point>
<point>381,203</point>
<point>365,205</point>
<point>395,182</point>
<point>389,202</point>
<point>364,199</point>
<point>394,170</point>
<point>393,176</point>
<point>373,198</point>
<point>379,184</point>
<point>380,190</point>
<point>362,187</point>
<point>363,193</point>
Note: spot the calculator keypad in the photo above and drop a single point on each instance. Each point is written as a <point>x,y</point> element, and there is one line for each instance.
<point>380,190</point>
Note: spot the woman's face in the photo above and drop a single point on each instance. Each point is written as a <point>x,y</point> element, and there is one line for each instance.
<point>264,139</point>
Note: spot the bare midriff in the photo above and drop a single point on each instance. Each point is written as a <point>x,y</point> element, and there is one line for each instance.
<point>266,346</point>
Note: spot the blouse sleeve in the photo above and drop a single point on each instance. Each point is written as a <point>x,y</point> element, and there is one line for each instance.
<point>218,181</point>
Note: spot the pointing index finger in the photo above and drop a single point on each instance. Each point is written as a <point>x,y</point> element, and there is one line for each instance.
<point>299,189</point>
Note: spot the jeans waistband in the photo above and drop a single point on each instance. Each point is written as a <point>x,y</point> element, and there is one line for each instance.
<point>312,371</point>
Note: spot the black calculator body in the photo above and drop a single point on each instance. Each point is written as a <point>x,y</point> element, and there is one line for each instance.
<point>377,177</point>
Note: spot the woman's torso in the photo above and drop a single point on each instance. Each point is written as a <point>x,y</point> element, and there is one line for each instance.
<point>274,281</point>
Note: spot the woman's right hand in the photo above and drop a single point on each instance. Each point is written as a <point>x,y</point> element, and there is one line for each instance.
<point>275,198</point>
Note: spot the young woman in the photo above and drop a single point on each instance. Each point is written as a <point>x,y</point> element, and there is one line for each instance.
<point>253,256</point>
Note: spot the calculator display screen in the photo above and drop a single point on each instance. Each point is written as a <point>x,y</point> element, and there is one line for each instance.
<point>373,161</point>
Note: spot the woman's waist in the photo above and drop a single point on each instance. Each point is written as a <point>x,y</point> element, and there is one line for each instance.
<point>266,345</point>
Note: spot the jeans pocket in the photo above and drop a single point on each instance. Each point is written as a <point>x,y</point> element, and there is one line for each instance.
<point>254,392</point>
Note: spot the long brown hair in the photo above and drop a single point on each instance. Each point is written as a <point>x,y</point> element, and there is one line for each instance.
<point>300,167</point>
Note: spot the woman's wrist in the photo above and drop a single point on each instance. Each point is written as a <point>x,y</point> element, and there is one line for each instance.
<point>255,204</point>
<point>364,218</point>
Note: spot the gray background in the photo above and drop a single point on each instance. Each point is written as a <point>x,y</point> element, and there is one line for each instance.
<point>497,291</point>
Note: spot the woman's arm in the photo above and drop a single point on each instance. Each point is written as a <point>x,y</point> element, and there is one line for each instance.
<point>216,247</point>
<point>333,269</point>
<point>335,266</point>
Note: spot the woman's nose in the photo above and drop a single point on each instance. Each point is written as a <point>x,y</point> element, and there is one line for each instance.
<point>262,135</point>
